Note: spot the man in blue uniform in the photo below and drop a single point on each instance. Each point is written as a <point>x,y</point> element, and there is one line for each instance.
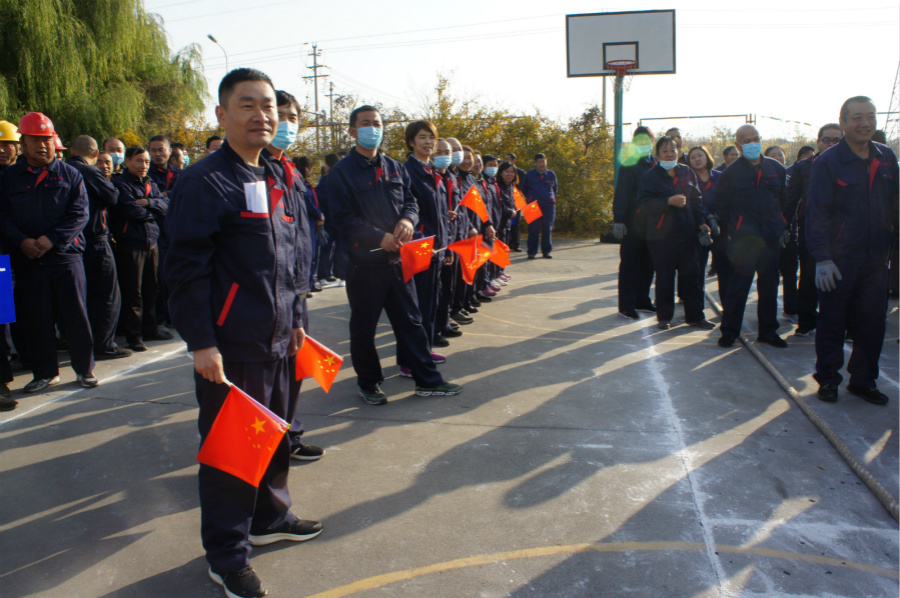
<point>233,253</point>
<point>749,200</point>
<point>541,186</point>
<point>9,149</point>
<point>851,208</point>
<point>375,213</point>
<point>103,298</point>
<point>43,211</point>
<point>630,227</point>
<point>164,175</point>
<point>798,191</point>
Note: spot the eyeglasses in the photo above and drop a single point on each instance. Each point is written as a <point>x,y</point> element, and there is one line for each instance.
<point>830,140</point>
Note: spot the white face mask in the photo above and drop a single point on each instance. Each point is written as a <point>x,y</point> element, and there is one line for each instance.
<point>456,158</point>
<point>668,164</point>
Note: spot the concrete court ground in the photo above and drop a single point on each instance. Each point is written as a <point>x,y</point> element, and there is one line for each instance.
<point>587,457</point>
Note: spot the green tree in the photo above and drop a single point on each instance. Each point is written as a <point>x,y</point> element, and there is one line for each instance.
<point>101,67</point>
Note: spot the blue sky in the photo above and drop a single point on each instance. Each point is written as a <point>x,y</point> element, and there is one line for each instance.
<point>791,60</point>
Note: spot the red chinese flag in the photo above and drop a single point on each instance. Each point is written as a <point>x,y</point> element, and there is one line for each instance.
<point>473,201</point>
<point>532,212</point>
<point>519,198</point>
<point>415,256</point>
<point>317,361</point>
<point>473,253</point>
<point>500,253</point>
<point>243,438</point>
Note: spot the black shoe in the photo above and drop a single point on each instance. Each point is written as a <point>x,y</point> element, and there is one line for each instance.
<point>804,331</point>
<point>646,309</point>
<point>774,340</point>
<point>137,346</point>
<point>373,397</point>
<point>517,250</point>
<point>472,310</point>
<point>315,289</point>
<point>7,403</point>
<point>307,452</point>
<point>453,324</point>
<point>332,279</point>
<point>39,384</point>
<point>117,353</point>
<point>531,257</point>
<point>440,341</point>
<point>702,324</point>
<point>450,333</point>
<point>483,298</point>
<point>159,335</point>
<point>239,584</point>
<point>461,318</point>
<point>664,325</point>
<point>869,395</point>
<point>629,315</point>
<point>298,530</point>
<point>463,312</point>
<point>547,256</point>
<point>474,303</point>
<point>726,341</point>
<point>828,393</point>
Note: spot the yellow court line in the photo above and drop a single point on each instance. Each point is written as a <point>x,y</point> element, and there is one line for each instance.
<point>379,581</point>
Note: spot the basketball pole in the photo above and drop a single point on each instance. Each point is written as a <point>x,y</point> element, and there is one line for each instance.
<point>617,161</point>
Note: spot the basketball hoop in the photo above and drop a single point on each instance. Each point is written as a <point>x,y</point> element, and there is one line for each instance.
<point>622,68</point>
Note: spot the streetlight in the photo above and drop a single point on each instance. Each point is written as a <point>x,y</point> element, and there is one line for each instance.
<point>209,35</point>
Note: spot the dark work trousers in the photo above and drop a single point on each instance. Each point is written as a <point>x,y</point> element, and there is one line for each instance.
<point>751,255</point>
<point>702,261</point>
<point>230,508</point>
<point>369,291</point>
<point>428,291</point>
<point>807,295</point>
<point>6,375</point>
<point>788,261</point>
<point>635,270</point>
<point>458,299</point>
<point>448,287</point>
<point>722,264</point>
<point>41,288</point>
<point>671,256</point>
<point>162,294</point>
<point>103,299</point>
<point>543,227</point>
<point>860,296</point>
<point>315,252</point>
<point>894,272</point>
<point>138,285</point>
<point>514,233</point>
<point>326,256</point>
<point>297,429</point>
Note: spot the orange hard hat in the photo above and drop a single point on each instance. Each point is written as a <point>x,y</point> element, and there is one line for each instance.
<point>35,123</point>
<point>57,142</point>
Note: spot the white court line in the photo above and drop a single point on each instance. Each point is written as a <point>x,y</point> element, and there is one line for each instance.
<point>104,381</point>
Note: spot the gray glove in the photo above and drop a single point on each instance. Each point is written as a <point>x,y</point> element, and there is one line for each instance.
<point>785,238</point>
<point>713,226</point>
<point>619,231</point>
<point>705,238</point>
<point>321,236</point>
<point>827,275</point>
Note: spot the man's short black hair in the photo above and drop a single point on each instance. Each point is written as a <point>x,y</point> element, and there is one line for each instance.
<point>135,150</point>
<point>332,159</point>
<point>824,128</point>
<point>177,145</point>
<point>879,136</point>
<point>539,156</point>
<point>160,138</point>
<point>489,158</point>
<point>357,111</point>
<point>806,149</point>
<point>845,108</point>
<point>282,98</point>
<point>213,138</point>
<point>236,76</point>
<point>728,150</point>
<point>511,155</point>
<point>642,130</point>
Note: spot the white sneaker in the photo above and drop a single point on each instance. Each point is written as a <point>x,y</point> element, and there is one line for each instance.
<point>502,283</point>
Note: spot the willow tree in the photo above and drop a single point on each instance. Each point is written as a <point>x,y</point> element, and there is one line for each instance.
<point>100,67</point>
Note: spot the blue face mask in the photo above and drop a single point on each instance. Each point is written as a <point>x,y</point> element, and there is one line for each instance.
<point>644,150</point>
<point>286,135</point>
<point>751,151</point>
<point>441,162</point>
<point>456,158</point>
<point>369,137</point>
<point>186,160</point>
<point>117,158</point>
<point>668,164</point>
<point>490,171</point>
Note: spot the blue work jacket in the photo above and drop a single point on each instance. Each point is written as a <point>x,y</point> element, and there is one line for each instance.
<point>852,204</point>
<point>368,198</point>
<point>541,187</point>
<point>507,204</point>
<point>431,194</point>
<point>749,199</point>
<point>232,273</point>
<point>490,194</point>
<point>708,191</point>
<point>164,178</point>
<point>625,199</point>
<point>469,219</point>
<point>324,208</point>
<point>665,222</point>
<point>135,226</point>
<point>50,201</point>
<point>286,171</point>
<point>451,190</point>
<point>102,194</point>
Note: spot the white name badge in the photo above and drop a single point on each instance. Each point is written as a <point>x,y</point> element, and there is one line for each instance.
<point>255,194</point>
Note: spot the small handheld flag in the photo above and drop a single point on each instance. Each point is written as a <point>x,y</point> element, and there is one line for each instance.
<point>243,438</point>
<point>315,360</point>
<point>532,212</point>
<point>415,256</point>
<point>519,198</point>
<point>500,254</point>
<point>473,253</point>
<point>474,202</point>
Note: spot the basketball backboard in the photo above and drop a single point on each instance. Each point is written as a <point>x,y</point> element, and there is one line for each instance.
<point>647,37</point>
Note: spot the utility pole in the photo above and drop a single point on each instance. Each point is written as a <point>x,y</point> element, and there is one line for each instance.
<point>330,96</point>
<point>315,77</point>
